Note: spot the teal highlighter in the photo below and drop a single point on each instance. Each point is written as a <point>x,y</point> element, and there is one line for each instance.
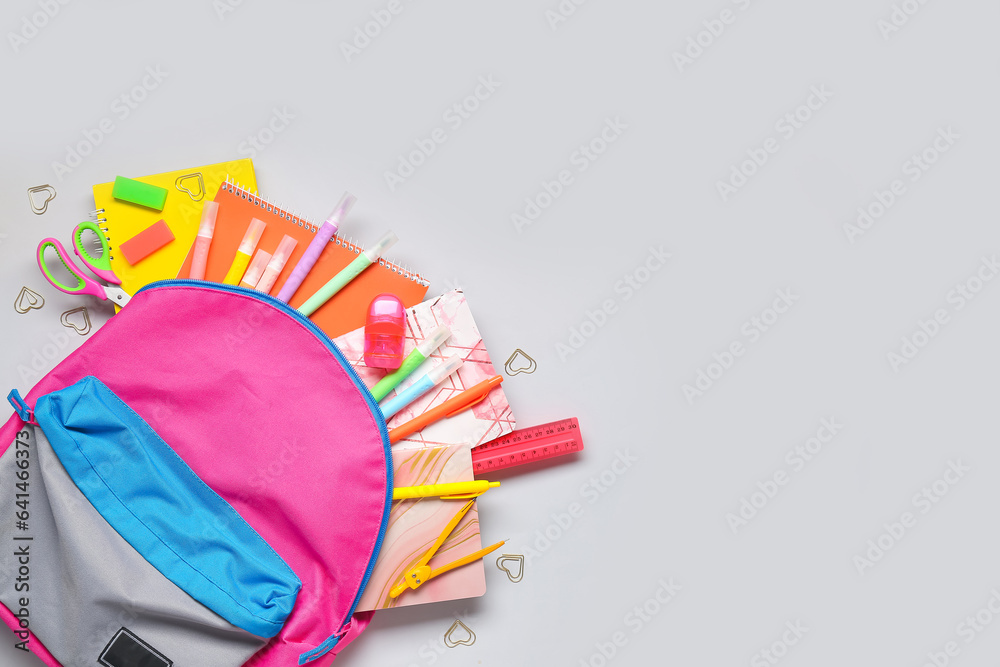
<point>433,378</point>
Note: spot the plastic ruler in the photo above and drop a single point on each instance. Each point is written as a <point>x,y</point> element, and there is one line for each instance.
<point>528,445</point>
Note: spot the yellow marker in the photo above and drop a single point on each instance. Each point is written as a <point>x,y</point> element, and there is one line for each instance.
<point>453,491</point>
<point>247,246</point>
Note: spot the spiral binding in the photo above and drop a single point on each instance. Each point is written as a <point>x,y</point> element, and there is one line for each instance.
<point>349,243</point>
<point>96,217</point>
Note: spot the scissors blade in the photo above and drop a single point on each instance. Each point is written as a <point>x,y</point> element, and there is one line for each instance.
<point>117,295</point>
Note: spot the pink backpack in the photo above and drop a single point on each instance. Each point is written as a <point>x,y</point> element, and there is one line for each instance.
<point>205,481</point>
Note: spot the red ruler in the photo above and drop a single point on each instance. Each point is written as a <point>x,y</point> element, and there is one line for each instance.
<point>528,445</point>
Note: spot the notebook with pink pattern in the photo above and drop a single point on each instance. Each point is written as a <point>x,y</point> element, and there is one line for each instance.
<point>438,454</point>
<point>487,420</point>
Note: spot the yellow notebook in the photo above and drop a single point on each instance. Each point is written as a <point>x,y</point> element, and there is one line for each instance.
<point>187,190</point>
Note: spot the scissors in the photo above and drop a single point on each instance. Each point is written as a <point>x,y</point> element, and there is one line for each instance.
<point>99,266</point>
<point>421,572</point>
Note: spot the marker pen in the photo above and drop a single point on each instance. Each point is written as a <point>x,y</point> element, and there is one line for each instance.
<point>413,359</point>
<point>348,273</point>
<point>315,247</point>
<point>257,266</point>
<point>201,244</point>
<point>247,246</point>
<point>434,377</point>
<point>277,263</point>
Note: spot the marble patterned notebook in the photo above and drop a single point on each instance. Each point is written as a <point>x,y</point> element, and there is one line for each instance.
<point>415,524</point>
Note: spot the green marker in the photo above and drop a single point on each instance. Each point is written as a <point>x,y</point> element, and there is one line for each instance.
<point>347,274</point>
<point>413,359</point>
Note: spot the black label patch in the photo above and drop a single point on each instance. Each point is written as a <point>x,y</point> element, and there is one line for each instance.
<point>126,650</point>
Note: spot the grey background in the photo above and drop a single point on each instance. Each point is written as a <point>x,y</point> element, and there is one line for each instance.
<point>665,517</point>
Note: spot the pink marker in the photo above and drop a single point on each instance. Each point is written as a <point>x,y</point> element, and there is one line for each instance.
<point>256,269</point>
<point>204,241</point>
<point>277,263</point>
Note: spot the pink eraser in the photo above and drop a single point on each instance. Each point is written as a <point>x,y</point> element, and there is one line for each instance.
<point>146,242</point>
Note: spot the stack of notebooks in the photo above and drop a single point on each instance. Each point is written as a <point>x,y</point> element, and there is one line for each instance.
<point>188,190</point>
<point>439,453</point>
<point>237,206</point>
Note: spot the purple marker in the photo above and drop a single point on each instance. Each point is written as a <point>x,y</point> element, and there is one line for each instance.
<point>316,246</point>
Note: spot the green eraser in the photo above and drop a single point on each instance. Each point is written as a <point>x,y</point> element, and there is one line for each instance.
<point>137,192</point>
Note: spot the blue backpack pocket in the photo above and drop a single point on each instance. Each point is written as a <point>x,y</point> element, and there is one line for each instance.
<point>122,527</point>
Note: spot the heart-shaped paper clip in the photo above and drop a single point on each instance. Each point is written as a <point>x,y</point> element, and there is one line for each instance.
<point>520,362</point>
<point>451,642</point>
<point>195,194</point>
<point>512,558</point>
<point>27,300</point>
<point>67,320</point>
<point>39,198</point>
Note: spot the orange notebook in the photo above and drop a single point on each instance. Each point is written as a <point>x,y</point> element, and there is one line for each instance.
<point>347,309</point>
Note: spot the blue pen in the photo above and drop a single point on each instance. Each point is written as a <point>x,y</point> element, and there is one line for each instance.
<point>433,378</point>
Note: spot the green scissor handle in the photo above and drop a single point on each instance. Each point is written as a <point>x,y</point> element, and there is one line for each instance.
<point>101,266</point>
<point>84,285</point>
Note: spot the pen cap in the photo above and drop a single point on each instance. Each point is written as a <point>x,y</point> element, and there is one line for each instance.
<point>283,252</point>
<point>434,340</point>
<point>208,214</point>
<point>383,244</point>
<point>256,269</point>
<point>441,371</point>
<point>343,208</point>
<point>252,237</point>
<point>276,264</point>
